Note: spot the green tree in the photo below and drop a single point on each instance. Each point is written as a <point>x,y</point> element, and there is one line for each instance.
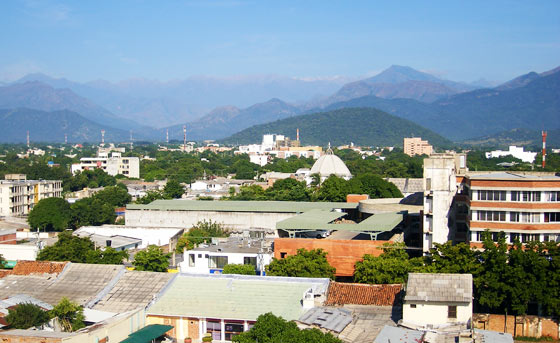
<point>288,190</point>
<point>272,329</point>
<point>376,187</point>
<point>243,269</point>
<point>50,214</point>
<point>173,190</point>
<point>67,248</point>
<point>69,314</point>
<point>201,232</point>
<point>252,192</point>
<point>306,263</point>
<point>334,189</point>
<point>152,259</point>
<point>26,315</point>
<point>106,256</point>
<point>150,196</point>
<point>391,267</point>
<point>448,258</point>
<point>113,195</point>
<point>92,211</point>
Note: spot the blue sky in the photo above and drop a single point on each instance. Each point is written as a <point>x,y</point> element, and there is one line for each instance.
<point>164,40</point>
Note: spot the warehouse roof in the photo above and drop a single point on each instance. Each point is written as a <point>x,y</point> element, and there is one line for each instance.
<point>233,297</point>
<point>322,220</point>
<point>240,206</point>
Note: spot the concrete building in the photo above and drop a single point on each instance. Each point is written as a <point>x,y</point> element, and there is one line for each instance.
<point>226,305</point>
<point>438,300</point>
<point>524,206</point>
<point>517,152</point>
<point>211,258</point>
<point>417,146</point>
<point>125,236</point>
<point>18,195</point>
<point>113,164</point>
<point>440,185</point>
<point>234,215</point>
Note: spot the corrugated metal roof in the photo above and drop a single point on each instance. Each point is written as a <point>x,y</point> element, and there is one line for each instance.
<point>330,318</point>
<point>321,220</point>
<point>240,206</point>
<point>391,334</point>
<point>231,298</point>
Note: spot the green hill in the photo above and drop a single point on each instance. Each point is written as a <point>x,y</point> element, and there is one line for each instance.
<point>362,126</point>
<point>530,139</point>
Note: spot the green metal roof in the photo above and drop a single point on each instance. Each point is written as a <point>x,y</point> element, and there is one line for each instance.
<point>310,220</point>
<point>231,298</point>
<point>320,220</point>
<point>148,333</point>
<point>240,206</point>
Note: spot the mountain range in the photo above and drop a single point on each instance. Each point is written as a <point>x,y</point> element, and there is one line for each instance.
<point>454,110</point>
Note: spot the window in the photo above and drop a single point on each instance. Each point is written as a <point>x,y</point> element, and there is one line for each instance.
<point>496,216</point>
<point>250,260</point>
<point>515,196</point>
<point>514,216</point>
<point>531,196</point>
<point>525,237</point>
<point>191,260</point>
<point>283,254</point>
<point>428,184</point>
<point>492,195</point>
<point>452,312</point>
<point>553,196</point>
<point>412,305</point>
<point>217,262</point>
<point>232,330</point>
<point>513,237</point>
<point>214,327</point>
<point>551,217</point>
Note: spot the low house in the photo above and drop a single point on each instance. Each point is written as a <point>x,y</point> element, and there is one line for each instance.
<point>438,300</point>
<point>226,305</point>
<point>211,259</point>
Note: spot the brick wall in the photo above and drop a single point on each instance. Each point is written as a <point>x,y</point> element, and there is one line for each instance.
<point>529,326</point>
<point>8,239</point>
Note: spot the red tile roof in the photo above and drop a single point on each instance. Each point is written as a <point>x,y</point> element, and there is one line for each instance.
<point>38,267</point>
<point>362,294</point>
<point>4,272</point>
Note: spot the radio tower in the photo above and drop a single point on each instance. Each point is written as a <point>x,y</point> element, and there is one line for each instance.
<point>184,138</point>
<point>65,138</point>
<point>102,137</point>
<point>167,136</point>
<point>28,138</point>
<point>297,134</point>
<point>543,149</point>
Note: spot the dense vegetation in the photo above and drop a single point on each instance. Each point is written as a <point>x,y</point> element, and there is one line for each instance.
<point>270,329</point>
<point>507,279</point>
<point>363,126</point>
<point>201,232</point>
<point>152,259</point>
<point>306,263</point>
<point>68,314</point>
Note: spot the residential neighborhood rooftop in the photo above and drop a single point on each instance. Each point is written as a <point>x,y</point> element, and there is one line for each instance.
<point>362,294</point>
<point>439,287</point>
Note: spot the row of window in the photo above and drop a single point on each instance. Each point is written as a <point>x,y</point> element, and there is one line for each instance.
<point>513,237</point>
<point>526,196</point>
<point>517,217</point>
<point>232,329</point>
<point>219,262</point>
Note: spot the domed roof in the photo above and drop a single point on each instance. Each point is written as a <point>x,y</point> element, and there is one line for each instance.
<point>330,164</point>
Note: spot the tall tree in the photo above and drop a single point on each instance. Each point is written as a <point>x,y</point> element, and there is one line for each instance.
<point>26,315</point>
<point>69,314</point>
<point>173,190</point>
<point>113,195</point>
<point>50,214</point>
<point>392,266</point>
<point>152,259</point>
<point>306,263</point>
<point>334,189</point>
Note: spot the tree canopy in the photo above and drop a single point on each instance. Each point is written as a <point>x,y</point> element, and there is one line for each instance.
<point>26,315</point>
<point>153,259</point>
<point>272,329</point>
<point>173,190</point>
<point>306,263</point>
<point>201,232</point>
<point>50,214</point>
<point>69,314</point>
<point>243,269</point>
<point>115,196</point>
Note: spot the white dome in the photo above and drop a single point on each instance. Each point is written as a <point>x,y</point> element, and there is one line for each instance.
<point>330,164</point>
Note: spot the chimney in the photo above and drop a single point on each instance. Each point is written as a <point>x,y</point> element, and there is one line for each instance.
<point>308,301</point>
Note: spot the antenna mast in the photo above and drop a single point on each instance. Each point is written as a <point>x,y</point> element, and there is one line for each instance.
<point>184,138</point>
<point>543,149</point>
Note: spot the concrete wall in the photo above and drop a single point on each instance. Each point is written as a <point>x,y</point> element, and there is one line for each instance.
<point>528,326</point>
<point>19,252</point>
<point>201,263</point>
<point>341,254</point>
<point>186,219</point>
<point>435,313</point>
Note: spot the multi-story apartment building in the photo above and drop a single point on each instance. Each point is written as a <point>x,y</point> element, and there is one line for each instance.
<point>525,206</point>
<point>416,146</point>
<point>112,165</point>
<point>18,195</point>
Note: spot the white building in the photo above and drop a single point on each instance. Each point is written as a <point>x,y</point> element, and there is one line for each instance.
<point>328,165</point>
<point>517,152</point>
<point>113,165</point>
<point>159,236</point>
<point>18,195</point>
<point>440,185</point>
<point>211,259</point>
<point>438,300</point>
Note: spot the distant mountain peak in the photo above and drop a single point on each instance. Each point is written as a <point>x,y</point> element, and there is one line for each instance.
<point>399,74</point>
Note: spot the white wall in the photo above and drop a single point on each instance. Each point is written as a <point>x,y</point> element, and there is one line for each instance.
<point>435,314</point>
<point>201,263</point>
<point>186,219</point>
<point>15,252</point>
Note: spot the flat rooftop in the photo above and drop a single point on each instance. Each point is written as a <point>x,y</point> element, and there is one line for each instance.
<point>241,206</point>
<point>232,245</point>
<point>514,176</point>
